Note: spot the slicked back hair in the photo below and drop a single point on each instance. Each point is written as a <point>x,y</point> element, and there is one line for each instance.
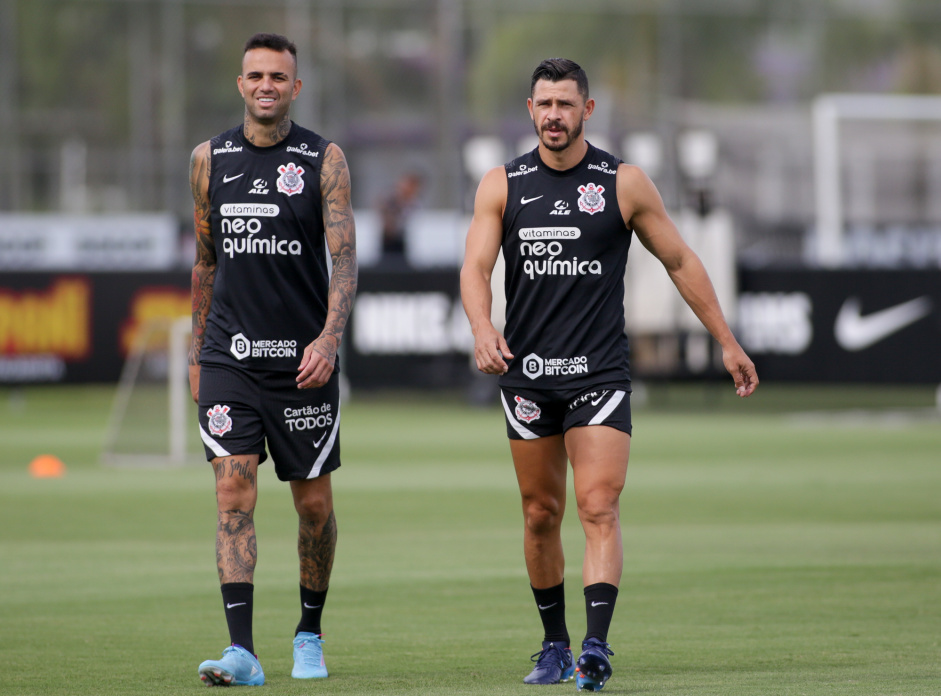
<point>275,42</point>
<point>556,69</point>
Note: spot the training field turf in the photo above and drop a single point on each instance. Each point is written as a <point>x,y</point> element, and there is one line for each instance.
<point>790,544</point>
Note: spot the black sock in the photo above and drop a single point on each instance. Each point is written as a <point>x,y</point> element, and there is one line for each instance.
<point>237,600</point>
<point>551,605</point>
<point>599,606</point>
<point>311,609</point>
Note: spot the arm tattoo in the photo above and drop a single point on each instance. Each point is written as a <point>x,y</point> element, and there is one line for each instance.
<point>316,547</point>
<point>341,240</point>
<point>204,268</point>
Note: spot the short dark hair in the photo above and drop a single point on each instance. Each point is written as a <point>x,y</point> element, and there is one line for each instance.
<point>556,69</point>
<point>275,42</point>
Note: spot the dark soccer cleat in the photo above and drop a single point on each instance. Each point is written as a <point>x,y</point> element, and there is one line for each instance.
<point>238,667</point>
<point>594,668</point>
<point>553,665</point>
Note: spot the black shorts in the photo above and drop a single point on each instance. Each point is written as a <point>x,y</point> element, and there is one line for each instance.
<point>533,413</point>
<point>240,412</point>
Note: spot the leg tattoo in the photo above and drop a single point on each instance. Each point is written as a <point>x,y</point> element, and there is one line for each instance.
<point>236,548</point>
<point>316,545</point>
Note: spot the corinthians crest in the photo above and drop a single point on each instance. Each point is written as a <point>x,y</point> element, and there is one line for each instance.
<point>591,201</point>
<point>219,421</point>
<point>526,410</point>
<point>290,181</point>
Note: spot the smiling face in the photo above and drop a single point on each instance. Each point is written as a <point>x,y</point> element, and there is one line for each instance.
<point>559,113</point>
<point>268,84</point>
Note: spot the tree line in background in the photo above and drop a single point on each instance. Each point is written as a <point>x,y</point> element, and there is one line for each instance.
<point>131,87</point>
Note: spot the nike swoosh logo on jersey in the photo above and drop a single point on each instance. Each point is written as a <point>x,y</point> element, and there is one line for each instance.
<point>317,442</point>
<point>237,604</point>
<point>226,179</point>
<point>855,332</point>
<point>524,200</point>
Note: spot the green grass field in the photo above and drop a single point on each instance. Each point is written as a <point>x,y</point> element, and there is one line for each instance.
<point>790,544</point>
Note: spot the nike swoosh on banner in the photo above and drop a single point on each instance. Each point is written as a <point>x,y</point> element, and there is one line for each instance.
<point>855,332</point>
<point>524,200</point>
<point>227,179</point>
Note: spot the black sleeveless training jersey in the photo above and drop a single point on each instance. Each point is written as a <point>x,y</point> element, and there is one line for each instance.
<point>565,246</point>
<point>269,298</point>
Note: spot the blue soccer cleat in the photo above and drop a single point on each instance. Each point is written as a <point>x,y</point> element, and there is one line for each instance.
<point>238,667</point>
<point>593,669</point>
<point>308,657</point>
<point>553,665</point>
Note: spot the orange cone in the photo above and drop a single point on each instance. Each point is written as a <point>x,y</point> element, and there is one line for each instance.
<point>46,466</point>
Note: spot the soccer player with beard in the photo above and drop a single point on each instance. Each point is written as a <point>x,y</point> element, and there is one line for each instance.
<point>273,285</point>
<point>564,215</point>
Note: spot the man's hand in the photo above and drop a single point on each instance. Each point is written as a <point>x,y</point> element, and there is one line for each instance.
<point>742,370</point>
<point>491,352</point>
<point>317,364</point>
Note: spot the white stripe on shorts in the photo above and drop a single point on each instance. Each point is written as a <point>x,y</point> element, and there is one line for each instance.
<point>608,408</point>
<point>213,444</point>
<point>327,448</point>
<point>523,432</point>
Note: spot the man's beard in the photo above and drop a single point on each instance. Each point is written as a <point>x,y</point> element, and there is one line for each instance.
<point>561,145</point>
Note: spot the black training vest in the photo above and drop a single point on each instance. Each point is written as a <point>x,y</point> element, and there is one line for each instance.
<point>270,293</point>
<point>565,246</point>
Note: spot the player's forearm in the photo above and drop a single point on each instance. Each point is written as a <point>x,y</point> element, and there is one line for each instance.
<point>477,298</point>
<point>342,293</point>
<point>340,231</point>
<point>202,283</point>
<point>696,288</point>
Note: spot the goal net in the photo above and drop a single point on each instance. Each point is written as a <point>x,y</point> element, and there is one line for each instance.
<point>153,418</point>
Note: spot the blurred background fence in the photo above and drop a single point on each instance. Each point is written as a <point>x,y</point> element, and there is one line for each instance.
<point>798,145</point>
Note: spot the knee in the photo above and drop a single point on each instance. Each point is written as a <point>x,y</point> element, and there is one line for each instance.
<point>543,515</point>
<point>234,494</point>
<point>314,509</point>
<point>599,510</point>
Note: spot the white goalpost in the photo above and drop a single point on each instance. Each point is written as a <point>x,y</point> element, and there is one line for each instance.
<point>830,112</point>
<point>152,409</point>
